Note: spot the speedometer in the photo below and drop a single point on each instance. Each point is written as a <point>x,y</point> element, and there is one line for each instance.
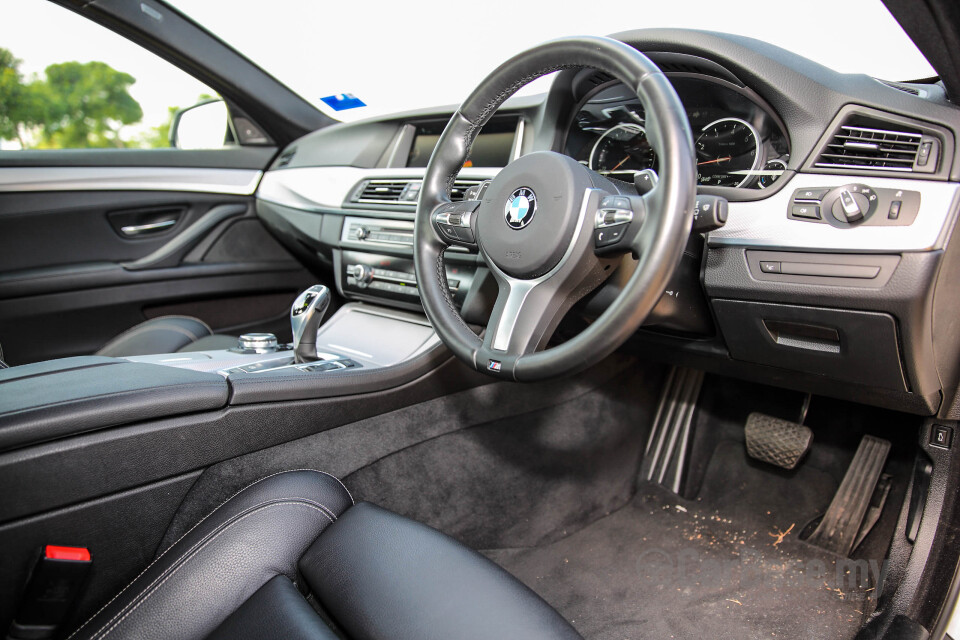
<point>728,153</point>
<point>623,148</point>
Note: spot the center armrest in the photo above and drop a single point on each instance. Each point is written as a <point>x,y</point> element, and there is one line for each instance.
<point>58,398</point>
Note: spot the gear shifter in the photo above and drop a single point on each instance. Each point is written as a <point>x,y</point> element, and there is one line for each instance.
<point>306,314</point>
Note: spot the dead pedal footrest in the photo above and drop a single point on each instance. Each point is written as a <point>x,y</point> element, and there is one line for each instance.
<point>778,442</point>
<point>841,524</point>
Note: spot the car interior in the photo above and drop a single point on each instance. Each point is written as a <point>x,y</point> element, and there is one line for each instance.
<point>671,350</point>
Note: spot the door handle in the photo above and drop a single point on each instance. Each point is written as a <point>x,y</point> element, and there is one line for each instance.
<point>170,254</point>
<point>142,229</point>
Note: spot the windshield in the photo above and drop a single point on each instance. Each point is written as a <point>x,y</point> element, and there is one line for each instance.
<point>395,56</point>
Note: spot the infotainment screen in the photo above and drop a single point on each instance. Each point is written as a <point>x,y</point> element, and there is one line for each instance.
<point>491,148</point>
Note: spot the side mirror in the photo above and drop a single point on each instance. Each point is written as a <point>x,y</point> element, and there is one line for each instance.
<point>205,125</point>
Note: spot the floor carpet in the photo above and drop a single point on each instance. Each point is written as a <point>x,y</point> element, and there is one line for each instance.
<point>713,566</point>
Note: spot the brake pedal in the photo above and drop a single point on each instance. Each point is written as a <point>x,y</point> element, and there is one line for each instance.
<point>778,442</point>
<point>842,523</point>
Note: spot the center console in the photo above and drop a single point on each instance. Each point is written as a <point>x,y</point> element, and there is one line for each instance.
<point>375,264</point>
<point>357,337</point>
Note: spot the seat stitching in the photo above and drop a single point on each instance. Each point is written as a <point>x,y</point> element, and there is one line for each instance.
<point>199,546</point>
<point>160,557</point>
<point>272,475</point>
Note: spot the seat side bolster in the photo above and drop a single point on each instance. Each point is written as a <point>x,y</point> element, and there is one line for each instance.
<point>165,334</point>
<point>383,576</point>
<point>193,586</point>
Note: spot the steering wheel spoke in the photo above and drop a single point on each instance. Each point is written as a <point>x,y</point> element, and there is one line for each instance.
<point>521,321</point>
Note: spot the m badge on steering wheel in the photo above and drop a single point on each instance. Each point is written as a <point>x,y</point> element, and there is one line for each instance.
<point>520,207</point>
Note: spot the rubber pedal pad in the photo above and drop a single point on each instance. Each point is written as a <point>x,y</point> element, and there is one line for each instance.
<point>775,441</point>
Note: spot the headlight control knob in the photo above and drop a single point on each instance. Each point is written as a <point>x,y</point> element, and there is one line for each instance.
<point>853,203</point>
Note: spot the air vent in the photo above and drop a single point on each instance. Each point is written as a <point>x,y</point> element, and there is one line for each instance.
<point>402,191</point>
<point>286,157</point>
<point>381,190</point>
<point>902,87</point>
<point>872,146</point>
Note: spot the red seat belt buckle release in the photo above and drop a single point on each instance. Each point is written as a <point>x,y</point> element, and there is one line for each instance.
<point>78,554</point>
<point>52,589</point>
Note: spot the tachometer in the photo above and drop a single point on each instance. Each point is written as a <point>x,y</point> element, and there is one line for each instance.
<point>728,153</point>
<point>623,148</point>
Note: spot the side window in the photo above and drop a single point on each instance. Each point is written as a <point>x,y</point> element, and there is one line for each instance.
<point>68,83</point>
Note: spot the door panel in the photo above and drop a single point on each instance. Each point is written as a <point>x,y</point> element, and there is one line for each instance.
<point>69,281</point>
<point>45,229</point>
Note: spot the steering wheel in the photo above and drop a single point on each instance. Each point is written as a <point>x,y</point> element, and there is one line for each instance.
<point>549,229</point>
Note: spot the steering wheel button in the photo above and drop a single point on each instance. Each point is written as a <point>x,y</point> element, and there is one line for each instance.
<point>606,236</point>
<point>465,234</point>
<point>448,231</point>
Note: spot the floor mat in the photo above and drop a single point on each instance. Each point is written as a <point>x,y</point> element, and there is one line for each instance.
<point>715,566</point>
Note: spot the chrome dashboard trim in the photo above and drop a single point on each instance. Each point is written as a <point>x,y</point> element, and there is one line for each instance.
<point>241,182</point>
<point>325,188</point>
<point>764,223</point>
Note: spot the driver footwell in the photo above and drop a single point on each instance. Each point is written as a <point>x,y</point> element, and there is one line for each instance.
<point>713,566</point>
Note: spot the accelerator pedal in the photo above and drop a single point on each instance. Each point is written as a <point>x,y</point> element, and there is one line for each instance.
<point>841,527</point>
<point>778,442</point>
<point>664,460</point>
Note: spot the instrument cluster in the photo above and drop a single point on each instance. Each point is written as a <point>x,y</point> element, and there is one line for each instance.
<point>738,141</point>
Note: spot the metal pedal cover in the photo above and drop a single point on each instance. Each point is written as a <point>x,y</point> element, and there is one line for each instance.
<point>778,442</point>
<point>838,531</point>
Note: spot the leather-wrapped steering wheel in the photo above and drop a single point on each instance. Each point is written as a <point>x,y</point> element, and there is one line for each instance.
<point>550,229</point>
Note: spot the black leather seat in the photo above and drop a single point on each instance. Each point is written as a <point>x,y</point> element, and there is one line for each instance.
<point>253,567</point>
<point>166,334</point>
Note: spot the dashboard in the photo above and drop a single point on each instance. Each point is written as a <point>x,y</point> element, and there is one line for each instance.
<point>739,142</point>
<point>843,197</point>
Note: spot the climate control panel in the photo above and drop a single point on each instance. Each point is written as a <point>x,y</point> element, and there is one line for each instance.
<point>854,205</point>
<point>388,279</point>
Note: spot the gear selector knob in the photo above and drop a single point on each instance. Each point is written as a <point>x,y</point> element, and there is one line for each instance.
<point>306,314</point>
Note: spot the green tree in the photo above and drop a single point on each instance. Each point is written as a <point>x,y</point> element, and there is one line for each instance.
<point>21,104</point>
<point>157,137</point>
<point>88,104</point>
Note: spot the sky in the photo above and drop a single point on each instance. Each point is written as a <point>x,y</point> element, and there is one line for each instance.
<point>404,55</point>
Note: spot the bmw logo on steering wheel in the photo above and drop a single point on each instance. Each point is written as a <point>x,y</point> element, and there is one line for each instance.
<point>520,207</point>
